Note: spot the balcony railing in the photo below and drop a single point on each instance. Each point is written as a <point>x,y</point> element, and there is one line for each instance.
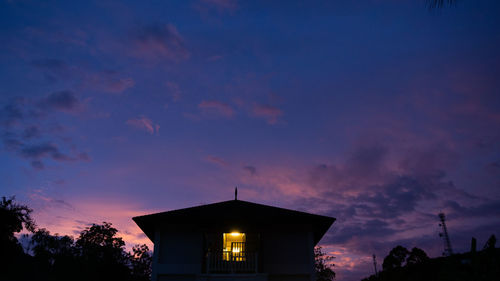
<point>231,262</point>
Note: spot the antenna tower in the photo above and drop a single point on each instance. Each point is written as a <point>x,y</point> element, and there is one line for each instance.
<point>447,244</point>
<point>375,264</point>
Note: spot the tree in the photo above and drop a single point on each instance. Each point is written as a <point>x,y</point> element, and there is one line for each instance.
<point>141,260</point>
<point>416,256</point>
<point>102,254</point>
<point>97,254</point>
<point>13,218</point>
<point>51,247</point>
<point>396,258</point>
<point>322,265</point>
<point>54,254</point>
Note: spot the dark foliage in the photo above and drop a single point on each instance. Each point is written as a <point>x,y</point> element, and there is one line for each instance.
<point>13,218</point>
<point>141,262</point>
<point>479,266</point>
<point>97,254</point>
<point>396,258</point>
<point>322,265</point>
<point>416,256</point>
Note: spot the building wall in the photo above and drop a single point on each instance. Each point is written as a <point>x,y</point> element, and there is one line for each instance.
<point>179,253</point>
<point>283,255</point>
<point>289,253</point>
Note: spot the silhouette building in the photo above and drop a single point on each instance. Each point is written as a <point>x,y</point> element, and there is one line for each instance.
<point>234,240</point>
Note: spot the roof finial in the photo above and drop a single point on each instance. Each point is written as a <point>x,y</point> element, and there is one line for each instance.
<point>236,193</point>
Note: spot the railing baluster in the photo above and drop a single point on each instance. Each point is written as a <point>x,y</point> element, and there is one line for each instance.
<point>229,262</point>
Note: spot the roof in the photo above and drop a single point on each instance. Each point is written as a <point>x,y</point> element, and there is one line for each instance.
<point>234,211</point>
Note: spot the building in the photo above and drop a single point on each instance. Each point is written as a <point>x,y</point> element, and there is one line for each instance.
<point>233,240</point>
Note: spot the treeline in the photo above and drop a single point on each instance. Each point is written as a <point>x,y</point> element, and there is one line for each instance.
<point>96,254</point>
<point>414,265</point>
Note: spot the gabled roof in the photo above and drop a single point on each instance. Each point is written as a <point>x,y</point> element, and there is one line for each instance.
<point>234,211</point>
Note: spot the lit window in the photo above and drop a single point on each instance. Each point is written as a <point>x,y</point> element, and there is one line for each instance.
<point>234,246</point>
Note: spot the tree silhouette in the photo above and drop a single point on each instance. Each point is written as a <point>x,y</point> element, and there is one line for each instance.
<point>416,256</point>
<point>97,254</point>
<point>102,253</point>
<point>54,255</point>
<point>396,258</point>
<point>322,267</point>
<point>141,260</point>
<point>13,218</point>
<point>51,248</point>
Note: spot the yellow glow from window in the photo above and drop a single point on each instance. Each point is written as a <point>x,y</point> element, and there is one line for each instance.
<point>234,246</point>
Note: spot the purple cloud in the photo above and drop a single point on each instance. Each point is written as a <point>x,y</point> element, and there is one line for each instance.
<point>270,113</point>
<point>159,41</point>
<point>174,90</point>
<point>23,134</point>
<point>11,112</point>
<point>54,69</point>
<point>31,132</point>
<point>217,108</point>
<point>217,7</point>
<point>64,101</point>
<point>144,123</point>
<point>229,5</point>
<point>250,169</point>
<point>216,160</point>
<point>108,81</point>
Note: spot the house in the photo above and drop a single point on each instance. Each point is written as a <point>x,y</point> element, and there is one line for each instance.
<point>233,240</point>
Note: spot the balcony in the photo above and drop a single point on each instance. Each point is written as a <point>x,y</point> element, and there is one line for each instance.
<point>230,262</point>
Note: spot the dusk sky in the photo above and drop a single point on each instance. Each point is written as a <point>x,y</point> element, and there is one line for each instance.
<point>380,113</point>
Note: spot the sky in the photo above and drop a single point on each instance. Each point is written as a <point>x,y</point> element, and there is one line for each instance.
<point>380,113</point>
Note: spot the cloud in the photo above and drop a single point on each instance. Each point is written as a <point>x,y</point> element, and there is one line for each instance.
<point>215,58</point>
<point>159,41</point>
<point>207,7</point>
<point>381,195</point>
<point>65,101</point>
<point>31,132</point>
<point>230,5</point>
<point>216,160</point>
<point>21,131</point>
<point>270,113</point>
<point>70,35</point>
<point>216,108</point>
<point>38,151</point>
<point>144,123</point>
<point>54,69</point>
<point>11,113</point>
<point>51,64</point>
<point>46,201</point>
<point>174,90</point>
<point>251,169</point>
<point>78,214</point>
<point>109,82</point>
